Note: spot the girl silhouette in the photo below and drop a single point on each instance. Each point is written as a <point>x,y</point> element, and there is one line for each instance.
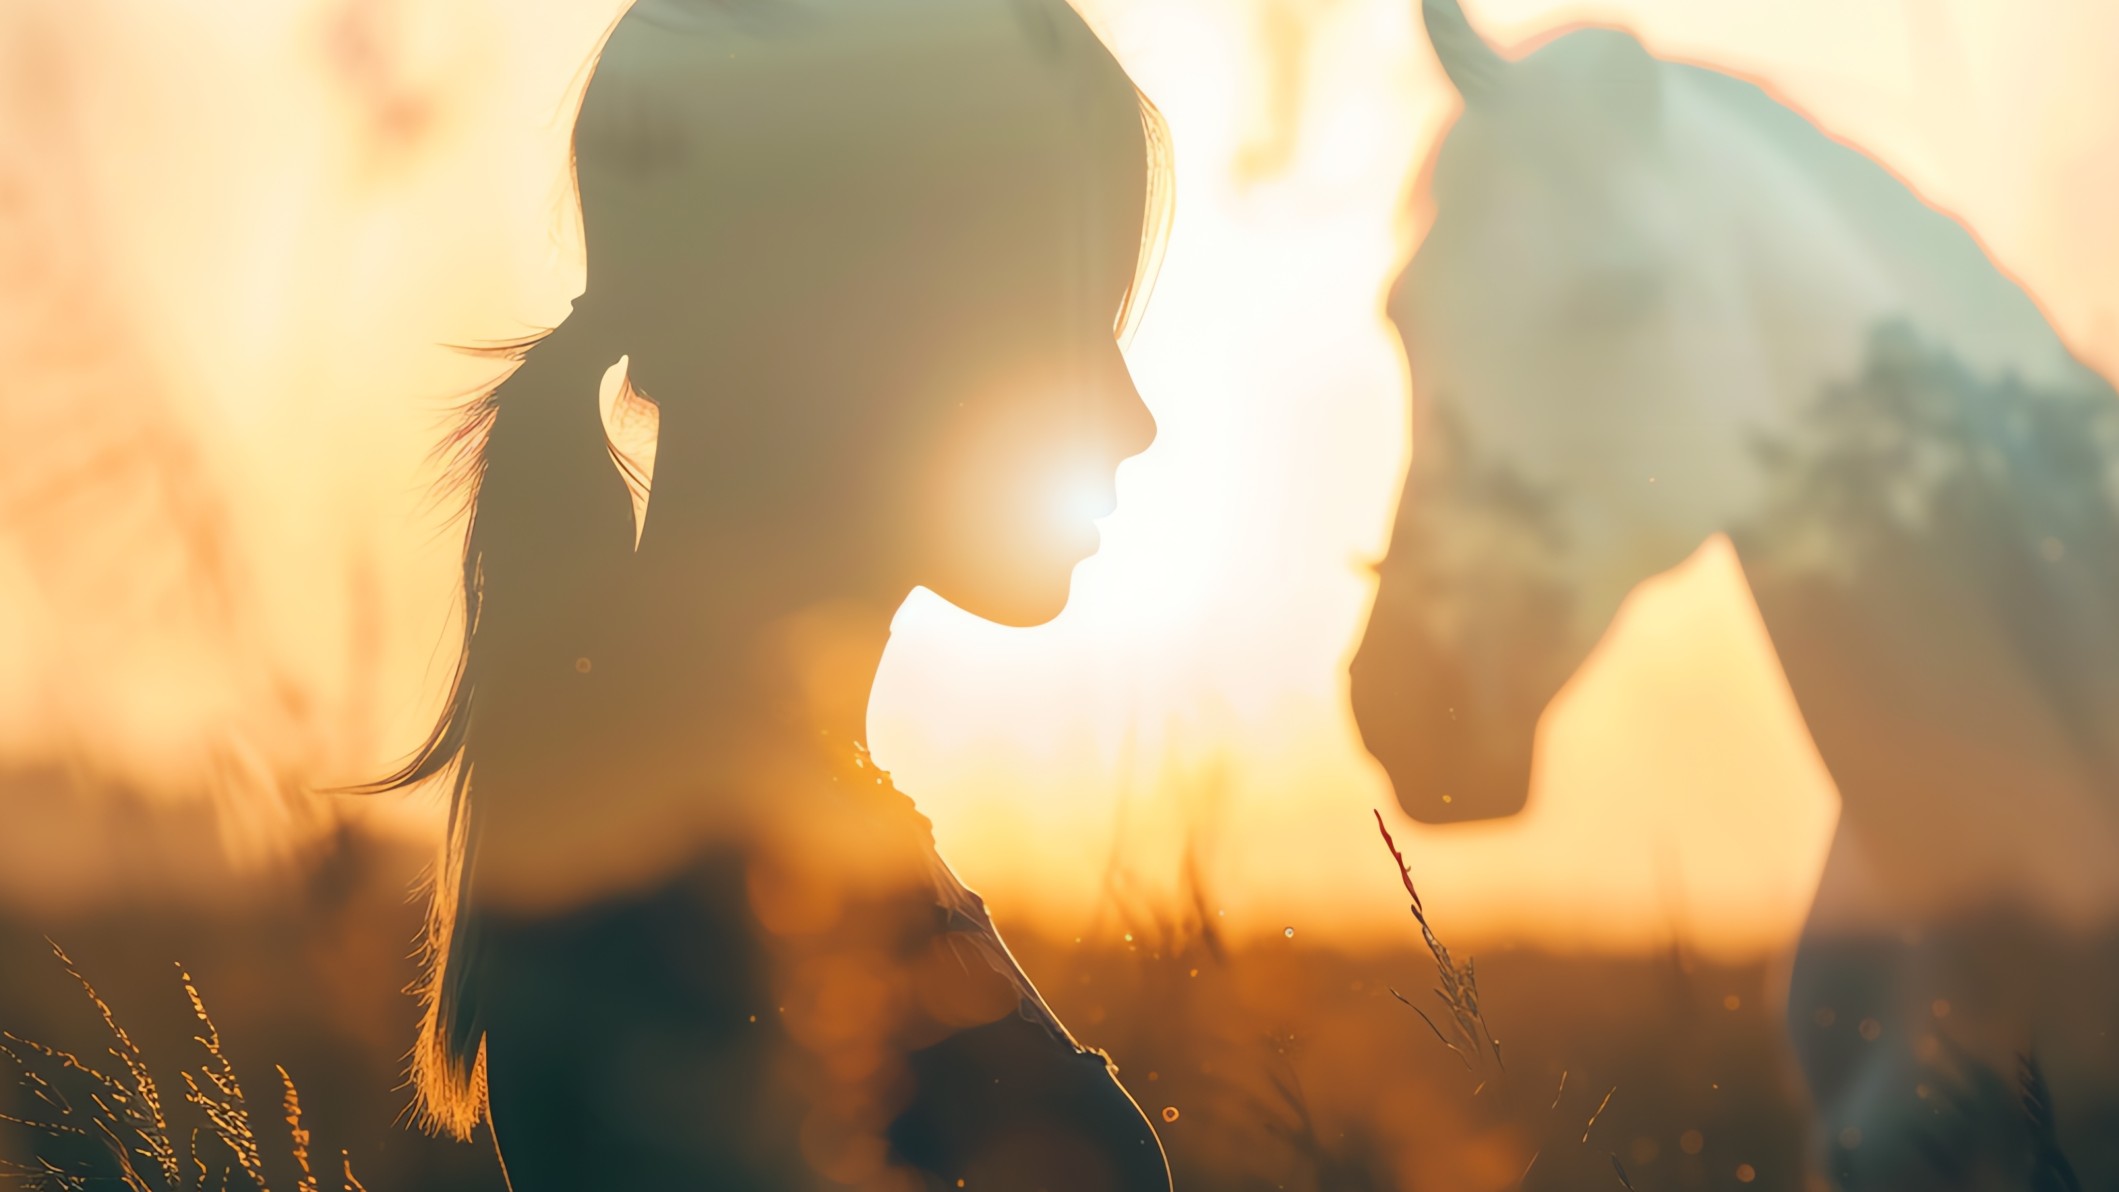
<point>866,261</point>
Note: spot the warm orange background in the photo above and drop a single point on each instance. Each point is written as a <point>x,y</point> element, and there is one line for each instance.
<point>283,210</point>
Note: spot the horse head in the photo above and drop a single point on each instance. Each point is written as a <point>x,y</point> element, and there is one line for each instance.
<point>1562,451</point>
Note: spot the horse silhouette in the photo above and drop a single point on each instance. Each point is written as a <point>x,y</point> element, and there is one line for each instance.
<point>1655,305</point>
<point>864,266</point>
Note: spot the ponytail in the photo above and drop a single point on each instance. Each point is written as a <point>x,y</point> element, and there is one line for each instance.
<point>550,533</point>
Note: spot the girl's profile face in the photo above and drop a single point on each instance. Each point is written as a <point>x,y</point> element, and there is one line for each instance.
<point>887,283</point>
<point>1022,406</point>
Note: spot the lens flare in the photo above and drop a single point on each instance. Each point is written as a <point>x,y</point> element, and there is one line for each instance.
<point>1081,497</point>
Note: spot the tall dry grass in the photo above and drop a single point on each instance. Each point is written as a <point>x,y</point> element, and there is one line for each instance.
<point>95,1128</point>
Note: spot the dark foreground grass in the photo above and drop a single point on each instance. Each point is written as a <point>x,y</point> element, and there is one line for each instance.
<point>1275,1065</point>
<point>105,1120</point>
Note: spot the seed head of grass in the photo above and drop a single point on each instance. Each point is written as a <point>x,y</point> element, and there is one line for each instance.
<point>124,1114</point>
<point>1457,985</point>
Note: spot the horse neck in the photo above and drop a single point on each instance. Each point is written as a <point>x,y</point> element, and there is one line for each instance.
<point>1806,282</point>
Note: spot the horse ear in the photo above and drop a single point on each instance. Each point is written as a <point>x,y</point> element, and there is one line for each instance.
<point>1474,68</point>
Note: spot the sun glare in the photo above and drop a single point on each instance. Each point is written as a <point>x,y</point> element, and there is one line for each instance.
<point>305,305</point>
<point>1190,700</point>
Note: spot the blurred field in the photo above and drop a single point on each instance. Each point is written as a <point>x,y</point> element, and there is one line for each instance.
<point>1282,1063</point>
<point>1287,1063</point>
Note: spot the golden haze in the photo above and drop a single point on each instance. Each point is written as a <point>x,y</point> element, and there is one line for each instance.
<point>279,213</point>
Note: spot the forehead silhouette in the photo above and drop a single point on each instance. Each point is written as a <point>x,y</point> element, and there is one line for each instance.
<point>798,148</point>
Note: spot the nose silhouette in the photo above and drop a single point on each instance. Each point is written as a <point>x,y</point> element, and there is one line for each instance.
<point>1129,424</point>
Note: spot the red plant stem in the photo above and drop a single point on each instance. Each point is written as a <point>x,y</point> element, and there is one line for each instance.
<point>1404,874</point>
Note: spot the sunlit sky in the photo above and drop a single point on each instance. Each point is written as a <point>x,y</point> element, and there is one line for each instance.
<point>285,210</point>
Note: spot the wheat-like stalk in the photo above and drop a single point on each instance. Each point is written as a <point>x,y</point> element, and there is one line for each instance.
<point>126,1115</point>
<point>1457,984</point>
